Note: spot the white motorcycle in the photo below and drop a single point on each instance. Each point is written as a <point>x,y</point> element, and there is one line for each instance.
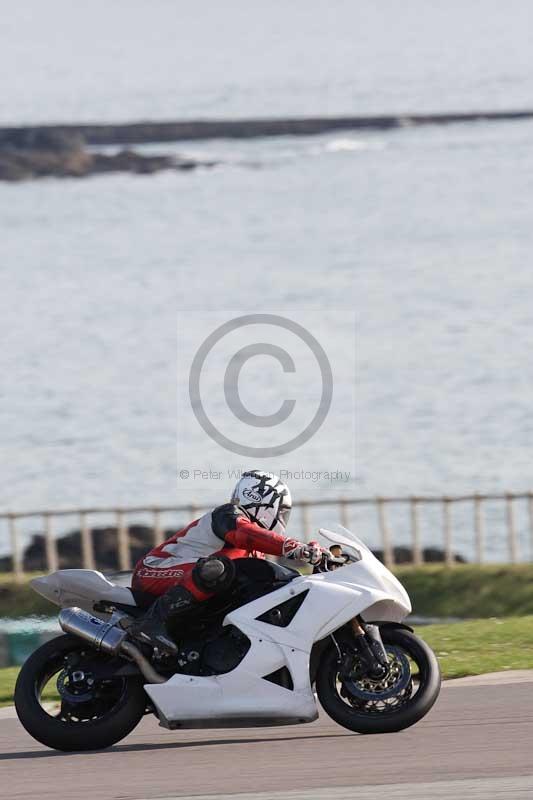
<point>251,657</point>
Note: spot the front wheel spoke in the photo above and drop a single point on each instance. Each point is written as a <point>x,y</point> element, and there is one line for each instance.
<point>385,695</point>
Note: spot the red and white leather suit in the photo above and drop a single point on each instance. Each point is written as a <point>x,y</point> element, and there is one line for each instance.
<point>224,531</point>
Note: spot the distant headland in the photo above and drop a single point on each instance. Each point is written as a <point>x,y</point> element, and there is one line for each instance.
<point>71,150</point>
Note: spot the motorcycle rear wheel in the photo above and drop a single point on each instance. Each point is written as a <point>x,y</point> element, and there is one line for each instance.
<point>91,717</point>
<point>367,706</point>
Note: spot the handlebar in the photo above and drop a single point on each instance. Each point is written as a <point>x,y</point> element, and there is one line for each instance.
<point>330,562</point>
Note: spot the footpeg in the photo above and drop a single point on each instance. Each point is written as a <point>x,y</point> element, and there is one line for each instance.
<point>158,640</point>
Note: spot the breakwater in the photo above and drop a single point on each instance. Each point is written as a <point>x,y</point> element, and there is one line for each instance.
<point>71,150</point>
<point>145,132</point>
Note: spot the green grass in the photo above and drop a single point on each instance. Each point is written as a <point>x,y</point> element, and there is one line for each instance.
<point>8,676</point>
<point>463,648</point>
<point>19,600</point>
<point>466,591</point>
<point>469,591</point>
<point>7,577</point>
<point>478,646</point>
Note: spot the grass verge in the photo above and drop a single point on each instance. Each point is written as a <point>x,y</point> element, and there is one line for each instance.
<point>8,676</point>
<point>19,600</point>
<point>469,591</point>
<point>463,648</point>
<point>478,646</point>
<point>465,591</point>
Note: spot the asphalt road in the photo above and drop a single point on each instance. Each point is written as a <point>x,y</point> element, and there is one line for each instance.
<point>475,743</point>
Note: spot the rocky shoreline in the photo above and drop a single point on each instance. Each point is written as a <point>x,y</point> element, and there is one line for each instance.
<point>141,539</point>
<point>66,150</point>
<point>44,152</point>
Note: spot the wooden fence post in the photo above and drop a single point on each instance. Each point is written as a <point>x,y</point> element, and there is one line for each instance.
<point>388,550</point>
<point>511,529</point>
<point>530,511</point>
<point>16,552</point>
<point>447,526</point>
<point>343,514</point>
<point>87,551</point>
<point>123,541</point>
<point>52,561</point>
<point>418,556</point>
<point>479,530</point>
<point>157,529</point>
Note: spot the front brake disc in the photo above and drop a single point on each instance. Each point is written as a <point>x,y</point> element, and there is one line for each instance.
<point>394,683</point>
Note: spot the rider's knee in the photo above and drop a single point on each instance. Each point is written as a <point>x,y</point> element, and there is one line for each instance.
<point>214,574</point>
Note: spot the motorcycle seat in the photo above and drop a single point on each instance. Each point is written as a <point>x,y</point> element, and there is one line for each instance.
<point>73,586</point>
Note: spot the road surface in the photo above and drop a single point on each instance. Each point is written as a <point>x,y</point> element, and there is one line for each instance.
<point>475,743</point>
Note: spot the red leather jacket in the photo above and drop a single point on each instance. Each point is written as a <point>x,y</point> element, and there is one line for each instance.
<point>224,530</point>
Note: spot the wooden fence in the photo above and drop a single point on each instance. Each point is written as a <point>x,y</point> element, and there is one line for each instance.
<point>381,505</point>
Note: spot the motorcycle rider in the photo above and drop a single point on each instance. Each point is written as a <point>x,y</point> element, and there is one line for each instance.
<point>196,563</point>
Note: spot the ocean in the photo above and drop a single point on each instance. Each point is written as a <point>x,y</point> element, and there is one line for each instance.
<point>421,238</point>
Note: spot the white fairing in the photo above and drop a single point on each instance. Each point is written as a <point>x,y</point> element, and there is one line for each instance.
<point>372,575</point>
<point>365,587</point>
<point>81,588</point>
<point>243,696</point>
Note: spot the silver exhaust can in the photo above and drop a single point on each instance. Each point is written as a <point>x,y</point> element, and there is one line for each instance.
<point>101,635</point>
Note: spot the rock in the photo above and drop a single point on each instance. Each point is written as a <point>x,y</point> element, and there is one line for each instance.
<point>130,161</point>
<point>55,140</point>
<point>141,539</point>
<point>104,545</point>
<point>431,555</point>
<point>24,164</point>
<point>27,153</point>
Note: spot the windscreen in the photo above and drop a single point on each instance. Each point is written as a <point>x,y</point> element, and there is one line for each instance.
<point>349,542</point>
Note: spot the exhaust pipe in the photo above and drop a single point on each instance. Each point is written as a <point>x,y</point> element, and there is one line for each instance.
<point>107,637</point>
<point>151,675</point>
<point>100,635</point>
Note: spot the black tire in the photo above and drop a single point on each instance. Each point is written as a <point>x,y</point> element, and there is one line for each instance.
<point>407,713</point>
<point>64,734</point>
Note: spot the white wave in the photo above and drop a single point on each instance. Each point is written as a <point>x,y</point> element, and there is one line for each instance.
<point>351,143</point>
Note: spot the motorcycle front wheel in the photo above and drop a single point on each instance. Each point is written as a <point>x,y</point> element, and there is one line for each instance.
<point>395,702</point>
<point>67,697</point>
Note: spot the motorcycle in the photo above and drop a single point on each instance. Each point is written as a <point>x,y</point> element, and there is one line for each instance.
<point>251,657</point>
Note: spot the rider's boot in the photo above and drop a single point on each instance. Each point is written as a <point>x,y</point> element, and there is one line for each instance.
<point>172,607</point>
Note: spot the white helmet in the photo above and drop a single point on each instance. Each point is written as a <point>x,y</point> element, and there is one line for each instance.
<point>264,498</point>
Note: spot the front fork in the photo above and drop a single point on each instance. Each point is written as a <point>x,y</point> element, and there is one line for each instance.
<point>369,648</point>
